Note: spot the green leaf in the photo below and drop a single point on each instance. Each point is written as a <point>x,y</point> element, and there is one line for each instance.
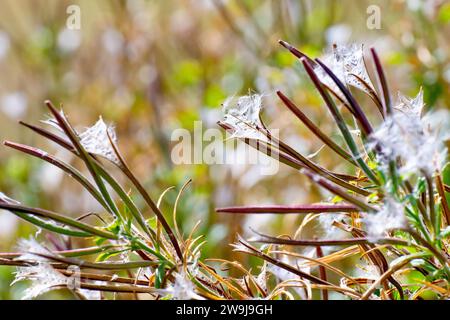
<point>446,179</point>
<point>106,255</point>
<point>114,227</point>
<point>99,241</point>
<point>159,275</point>
<point>336,199</point>
<point>444,13</point>
<point>420,187</point>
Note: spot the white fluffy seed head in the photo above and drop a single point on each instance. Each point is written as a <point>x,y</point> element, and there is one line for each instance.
<point>390,216</point>
<point>326,222</point>
<point>41,274</point>
<point>43,279</point>
<point>408,137</point>
<point>91,294</point>
<point>412,107</point>
<point>30,248</point>
<point>262,277</point>
<point>242,115</point>
<point>355,71</point>
<point>183,288</point>
<point>337,68</point>
<point>96,141</point>
<point>347,63</point>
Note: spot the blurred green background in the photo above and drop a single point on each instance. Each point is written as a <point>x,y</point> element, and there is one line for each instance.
<point>152,67</point>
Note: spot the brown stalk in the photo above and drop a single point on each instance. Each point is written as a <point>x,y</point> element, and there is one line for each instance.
<point>257,253</point>
<point>327,242</point>
<point>302,209</point>
<point>322,272</point>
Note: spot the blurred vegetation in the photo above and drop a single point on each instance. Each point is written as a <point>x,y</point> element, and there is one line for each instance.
<point>154,66</point>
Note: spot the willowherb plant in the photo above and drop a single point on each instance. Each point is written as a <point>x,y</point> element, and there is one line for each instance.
<point>128,253</point>
<point>394,211</point>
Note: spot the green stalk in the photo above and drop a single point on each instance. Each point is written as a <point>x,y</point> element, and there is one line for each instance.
<point>68,253</point>
<point>50,226</point>
<point>146,248</point>
<point>101,265</point>
<point>58,218</point>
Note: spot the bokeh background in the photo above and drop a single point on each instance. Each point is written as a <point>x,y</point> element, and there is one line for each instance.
<point>151,67</point>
